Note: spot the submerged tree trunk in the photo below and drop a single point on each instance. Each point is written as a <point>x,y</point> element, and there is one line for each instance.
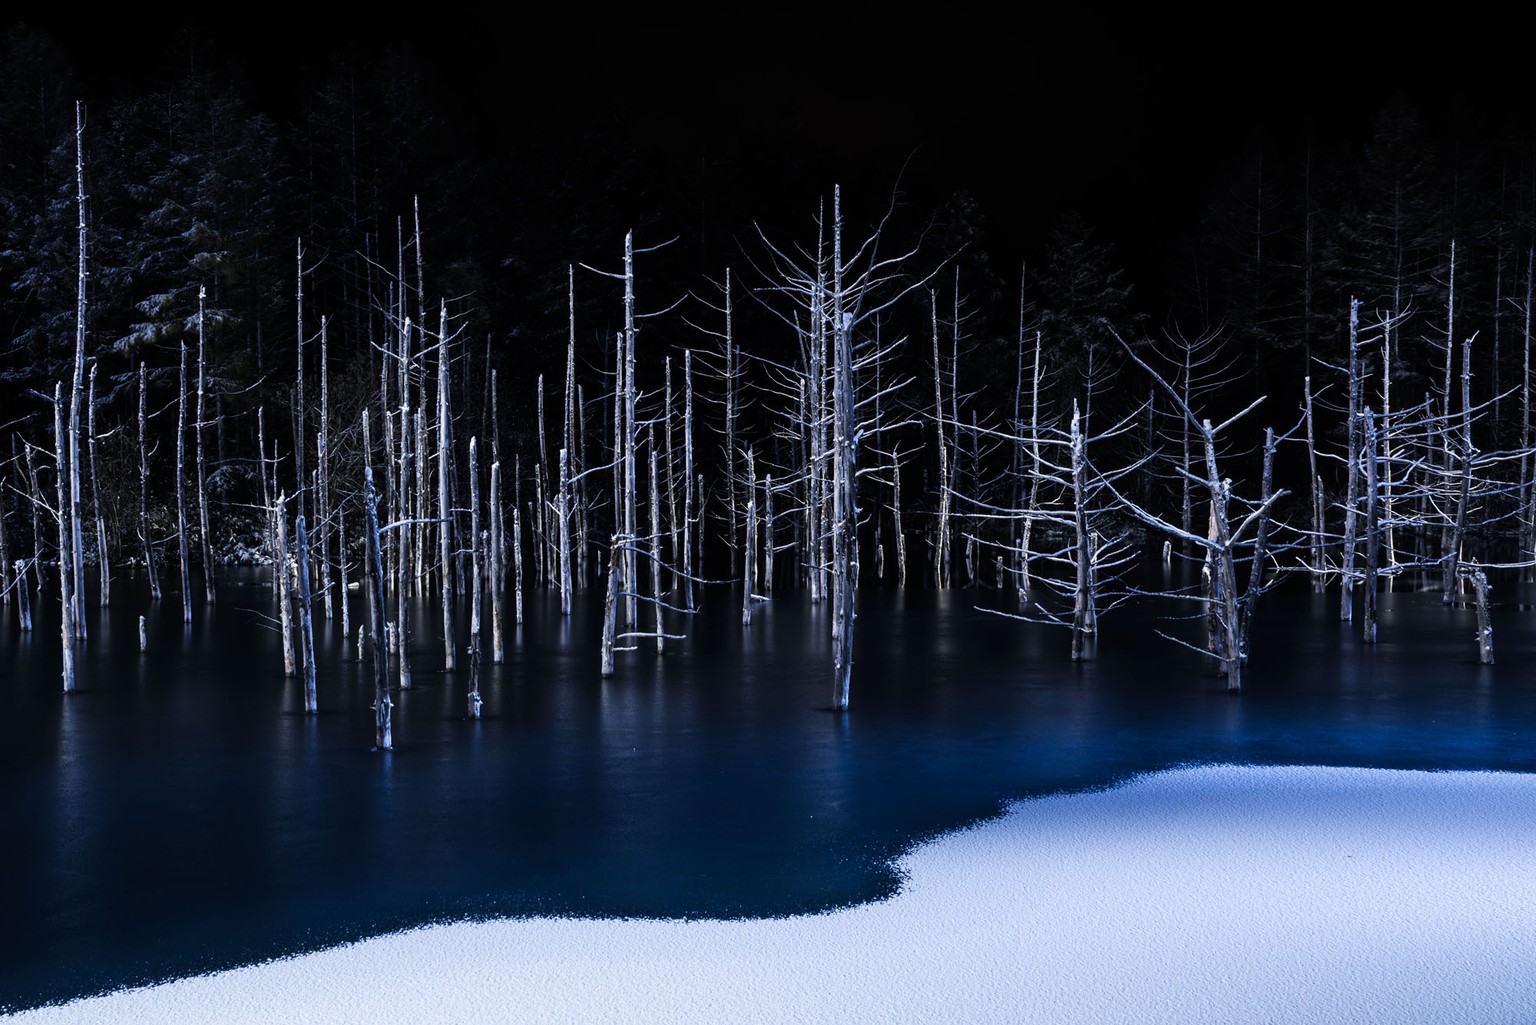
<point>1352,471</point>
<point>181,492</point>
<point>306,615</point>
<point>1369,586</point>
<point>281,583</point>
<point>383,738</point>
<point>67,633</point>
<point>202,476</point>
<point>70,464</point>
<point>1479,581</point>
<point>498,568</point>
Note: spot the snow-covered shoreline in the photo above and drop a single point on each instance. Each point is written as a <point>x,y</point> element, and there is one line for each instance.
<point>1207,894</point>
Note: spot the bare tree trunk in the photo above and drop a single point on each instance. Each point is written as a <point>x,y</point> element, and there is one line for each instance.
<point>323,474</point>
<point>517,565</point>
<point>1527,489</point>
<point>476,584</point>
<point>475,545</point>
<point>1082,611</point>
<point>280,586</point>
<point>70,464</point>
<point>610,610</point>
<point>498,568</point>
<point>674,527</point>
<point>941,577</point>
<point>383,738</point>
<point>688,511</point>
<point>655,551</point>
<point>444,510</point>
<point>1352,471</point>
<point>403,580</point>
<point>181,491</point>
<point>844,469</point>
<point>900,535</point>
<point>5,552</point>
<point>23,597</point>
<point>341,565</point>
<point>749,546</point>
<point>306,615</point>
<point>1372,529</point>
<point>563,516</point>
<point>1484,625</point>
<point>67,634</point>
<point>768,539</point>
<point>202,476</point>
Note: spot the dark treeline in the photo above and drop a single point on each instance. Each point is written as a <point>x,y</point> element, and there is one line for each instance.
<point>766,385</point>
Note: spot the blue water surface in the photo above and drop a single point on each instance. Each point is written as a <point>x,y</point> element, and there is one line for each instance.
<point>180,813</point>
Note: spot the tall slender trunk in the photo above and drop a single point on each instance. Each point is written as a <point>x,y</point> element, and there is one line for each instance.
<point>181,491</point>
<point>202,476</point>
<point>71,464</point>
<point>498,568</point>
<point>306,614</point>
<point>383,736</point>
<point>444,510</point>
<point>67,634</point>
<point>1352,471</point>
<point>476,584</point>
<point>281,585</point>
<point>941,575</point>
<point>1372,529</point>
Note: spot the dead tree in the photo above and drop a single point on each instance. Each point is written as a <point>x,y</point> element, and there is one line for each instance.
<point>383,737</point>
<point>837,294</point>
<point>306,614</point>
<point>68,635</point>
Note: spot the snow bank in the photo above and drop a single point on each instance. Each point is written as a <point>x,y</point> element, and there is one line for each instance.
<point>1212,894</point>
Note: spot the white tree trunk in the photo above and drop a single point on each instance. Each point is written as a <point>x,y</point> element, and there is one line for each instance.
<point>181,491</point>
<point>202,476</point>
<point>280,586</point>
<point>67,634</point>
<point>306,615</point>
<point>383,736</point>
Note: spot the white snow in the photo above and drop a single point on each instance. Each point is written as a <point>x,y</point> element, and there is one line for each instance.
<point>1213,894</point>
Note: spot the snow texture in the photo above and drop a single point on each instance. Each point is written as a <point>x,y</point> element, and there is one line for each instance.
<point>1213,894</point>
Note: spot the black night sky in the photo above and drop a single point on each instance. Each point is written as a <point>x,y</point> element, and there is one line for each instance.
<point>1134,119</point>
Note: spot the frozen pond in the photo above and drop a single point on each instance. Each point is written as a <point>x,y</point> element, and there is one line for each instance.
<point>181,814</point>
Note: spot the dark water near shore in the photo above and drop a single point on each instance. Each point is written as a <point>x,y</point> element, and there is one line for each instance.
<point>180,813</point>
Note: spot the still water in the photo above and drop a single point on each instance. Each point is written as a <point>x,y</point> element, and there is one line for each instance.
<point>180,813</point>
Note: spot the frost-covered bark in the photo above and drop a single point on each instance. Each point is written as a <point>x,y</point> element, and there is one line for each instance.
<point>70,461</point>
<point>383,735</point>
<point>202,474</point>
<point>444,509</point>
<point>67,633</point>
<point>498,568</point>
<point>282,586</point>
<point>476,544</point>
<point>145,532</point>
<point>1352,470</point>
<point>306,615</point>
<point>749,546</point>
<point>941,572</point>
<point>181,491</point>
